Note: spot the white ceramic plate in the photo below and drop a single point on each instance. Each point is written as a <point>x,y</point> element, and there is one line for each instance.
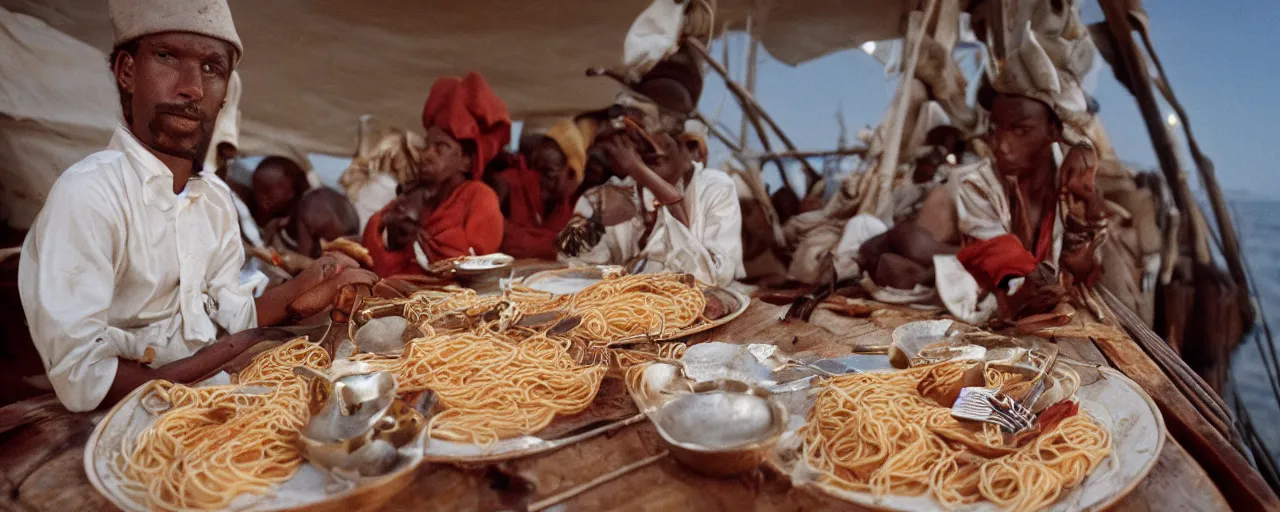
<point>573,280</point>
<point>1137,436</point>
<point>306,490</point>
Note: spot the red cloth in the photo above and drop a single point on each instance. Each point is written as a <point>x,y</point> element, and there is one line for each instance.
<point>467,109</point>
<point>469,219</point>
<point>528,234</point>
<point>991,261</point>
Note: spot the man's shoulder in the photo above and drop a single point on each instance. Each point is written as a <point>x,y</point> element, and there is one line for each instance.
<point>94,177</point>
<point>100,166</point>
<point>717,178</point>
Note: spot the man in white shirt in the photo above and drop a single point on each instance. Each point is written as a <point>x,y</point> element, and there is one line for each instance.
<point>136,256</point>
<point>665,211</point>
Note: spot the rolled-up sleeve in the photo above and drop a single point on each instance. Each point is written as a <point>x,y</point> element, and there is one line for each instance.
<point>66,281</point>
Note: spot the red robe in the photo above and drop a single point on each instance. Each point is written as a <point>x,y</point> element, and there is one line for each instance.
<point>992,261</point>
<point>528,234</point>
<point>469,219</point>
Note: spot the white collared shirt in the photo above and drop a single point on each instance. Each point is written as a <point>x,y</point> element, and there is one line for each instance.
<point>710,247</point>
<point>116,262</point>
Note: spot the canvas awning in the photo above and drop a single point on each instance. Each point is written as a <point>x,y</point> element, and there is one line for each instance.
<point>312,67</point>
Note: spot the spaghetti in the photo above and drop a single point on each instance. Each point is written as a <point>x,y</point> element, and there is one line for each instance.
<point>211,444</point>
<point>658,305</point>
<point>876,433</point>
<point>493,387</point>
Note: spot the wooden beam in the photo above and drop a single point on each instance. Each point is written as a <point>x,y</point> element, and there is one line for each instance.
<point>917,25</point>
<point>753,46</point>
<point>1135,66</point>
<point>716,132</point>
<point>1242,486</point>
<point>789,155</point>
<point>743,99</point>
<point>751,106</point>
<point>1204,166</point>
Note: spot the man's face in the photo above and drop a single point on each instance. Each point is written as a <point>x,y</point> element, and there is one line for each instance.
<point>1022,133</point>
<point>674,163</point>
<point>177,81</point>
<point>443,156</point>
<point>550,162</point>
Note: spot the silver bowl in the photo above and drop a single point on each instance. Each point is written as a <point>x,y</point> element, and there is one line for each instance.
<point>724,428</point>
<point>483,273</point>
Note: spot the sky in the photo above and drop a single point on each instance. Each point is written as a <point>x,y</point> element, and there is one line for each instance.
<point>1221,59</point>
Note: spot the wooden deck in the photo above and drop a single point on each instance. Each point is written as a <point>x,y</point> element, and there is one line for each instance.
<point>1176,483</point>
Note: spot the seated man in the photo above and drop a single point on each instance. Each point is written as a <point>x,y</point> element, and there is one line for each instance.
<point>538,193</point>
<point>447,211</point>
<point>662,211</point>
<point>135,258</point>
<point>323,214</point>
<point>278,184</point>
<point>1030,219</point>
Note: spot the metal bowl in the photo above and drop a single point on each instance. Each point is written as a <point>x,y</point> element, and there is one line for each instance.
<point>483,273</point>
<point>723,428</point>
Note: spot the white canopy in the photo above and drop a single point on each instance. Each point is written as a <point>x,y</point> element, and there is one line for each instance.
<point>312,67</point>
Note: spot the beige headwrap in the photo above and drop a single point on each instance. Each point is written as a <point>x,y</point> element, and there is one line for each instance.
<point>567,135</point>
<point>227,128</point>
<point>1052,77</point>
<point>136,18</point>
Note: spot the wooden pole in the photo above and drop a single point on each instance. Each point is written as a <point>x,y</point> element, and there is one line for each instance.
<point>752,46</point>
<point>741,95</point>
<point>750,105</point>
<point>718,134</point>
<point>917,23</point>
<point>848,151</point>
<point>1204,166</point>
<point>1136,69</point>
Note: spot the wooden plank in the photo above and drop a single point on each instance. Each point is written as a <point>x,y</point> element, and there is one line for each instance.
<point>1176,483</point>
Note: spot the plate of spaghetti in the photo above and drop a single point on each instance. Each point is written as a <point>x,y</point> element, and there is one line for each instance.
<point>615,306</point>
<point>883,441</point>
<point>227,447</point>
<point>494,391</point>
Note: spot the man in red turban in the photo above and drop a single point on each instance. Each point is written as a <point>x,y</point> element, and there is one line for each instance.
<point>446,211</point>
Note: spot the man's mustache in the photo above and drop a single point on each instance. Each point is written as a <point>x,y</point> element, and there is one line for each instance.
<point>188,110</point>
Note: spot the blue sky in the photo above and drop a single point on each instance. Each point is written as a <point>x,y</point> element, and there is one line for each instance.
<point>1220,59</point>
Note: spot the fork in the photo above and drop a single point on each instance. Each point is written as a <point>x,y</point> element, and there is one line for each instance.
<point>994,406</point>
<point>979,404</point>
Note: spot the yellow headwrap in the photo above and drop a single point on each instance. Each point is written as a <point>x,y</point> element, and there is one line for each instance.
<point>567,135</point>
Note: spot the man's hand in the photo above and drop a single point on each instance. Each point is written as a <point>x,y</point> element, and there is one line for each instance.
<point>617,205</point>
<point>322,296</point>
<point>1079,172</point>
<point>623,157</point>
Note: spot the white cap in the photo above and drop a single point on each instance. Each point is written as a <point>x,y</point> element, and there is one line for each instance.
<point>132,19</point>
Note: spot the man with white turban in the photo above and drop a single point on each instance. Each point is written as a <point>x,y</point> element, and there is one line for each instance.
<point>1030,219</point>
<point>135,259</point>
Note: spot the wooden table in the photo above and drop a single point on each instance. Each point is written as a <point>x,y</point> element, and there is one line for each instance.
<point>1176,483</point>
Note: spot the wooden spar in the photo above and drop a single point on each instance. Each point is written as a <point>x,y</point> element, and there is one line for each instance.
<point>718,134</point>
<point>741,95</point>
<point>1204,166</point>
<point>1242,486</point>
<point>917,24</point>
<point>1126,50</point>
<point>750,105</point>
<point>850,151</point>
<point>753,46</point>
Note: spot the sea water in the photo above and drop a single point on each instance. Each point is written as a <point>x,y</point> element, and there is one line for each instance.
<point>1258,223</point>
